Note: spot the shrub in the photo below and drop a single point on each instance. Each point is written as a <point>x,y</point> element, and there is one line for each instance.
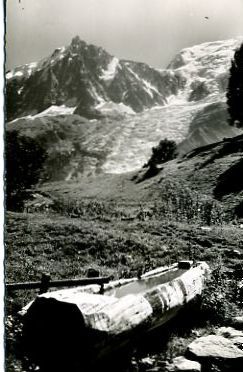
<point>165,151</point>
<point>220,298</point>
<point>24,161</point>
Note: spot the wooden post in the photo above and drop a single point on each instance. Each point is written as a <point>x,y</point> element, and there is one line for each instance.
<point>102,288</point>
<point>45,283</point>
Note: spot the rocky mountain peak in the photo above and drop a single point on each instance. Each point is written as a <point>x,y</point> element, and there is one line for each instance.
<point>84,76</point>
<point>76,40</point>
<point>77,44</point>
<point>185,102</point>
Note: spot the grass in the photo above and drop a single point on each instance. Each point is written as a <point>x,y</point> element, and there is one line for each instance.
<point>35,242</point>
<point>118,238</point>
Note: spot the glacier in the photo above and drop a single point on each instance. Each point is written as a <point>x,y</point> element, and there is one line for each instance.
<point>192,86</point>
<point>209,63</point>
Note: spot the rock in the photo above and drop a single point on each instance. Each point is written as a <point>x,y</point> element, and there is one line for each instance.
<point>237,322</point>
<point>237,253</point>
<point>182,364</point>
<point>206,228</point>
<point>148,361</point>
<point>233,334</point>
<point>229,332</point>
<point>233,253</point>
<point>216,350</point>
<point>199,91</point>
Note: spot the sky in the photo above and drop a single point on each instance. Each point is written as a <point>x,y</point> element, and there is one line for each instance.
<point>150,31</point>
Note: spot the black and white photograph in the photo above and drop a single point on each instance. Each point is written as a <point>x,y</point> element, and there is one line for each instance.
<point>123,185</point>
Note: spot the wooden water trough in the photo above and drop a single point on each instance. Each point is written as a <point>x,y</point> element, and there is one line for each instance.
<point>75,327</point>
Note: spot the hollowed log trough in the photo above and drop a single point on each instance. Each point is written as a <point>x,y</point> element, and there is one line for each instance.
<point>77,327</point>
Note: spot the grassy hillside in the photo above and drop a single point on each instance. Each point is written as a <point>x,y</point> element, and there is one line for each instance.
<point>122,224</point>
<point>210,175</point>
<point>210,125</point>
<point>118,242</point>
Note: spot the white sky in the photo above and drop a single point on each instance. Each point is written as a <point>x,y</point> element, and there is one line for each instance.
<point>152,31</point>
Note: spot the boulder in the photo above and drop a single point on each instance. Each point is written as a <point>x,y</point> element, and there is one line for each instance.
<point>182,364</point>
<point>229,332</point>
<point>217,350</point>
<point>236,336</point>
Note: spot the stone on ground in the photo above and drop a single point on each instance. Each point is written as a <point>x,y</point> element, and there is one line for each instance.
<point>217,350</point>
<point>182,364</point>
<point>229,332</point>
<point>148,361</point>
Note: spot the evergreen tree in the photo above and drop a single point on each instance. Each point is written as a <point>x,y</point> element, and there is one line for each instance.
<point>235,89</point>
<point>165,151</point>
<point>24,158</point>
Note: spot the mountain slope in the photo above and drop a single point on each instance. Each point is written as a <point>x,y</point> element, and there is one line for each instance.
<point>83,76</point>
<point>212,172</point>
<point>209,125</point>
<point>187,102</point>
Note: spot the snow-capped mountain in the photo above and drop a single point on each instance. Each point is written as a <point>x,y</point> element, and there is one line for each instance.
<point>185,102</point>
<point>204,69</point>
<point>83,78</point>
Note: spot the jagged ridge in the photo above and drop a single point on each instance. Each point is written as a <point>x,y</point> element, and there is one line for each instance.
<point>83,77</point>
<point>191,90</point>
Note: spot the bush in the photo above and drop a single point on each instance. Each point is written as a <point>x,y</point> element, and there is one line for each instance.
<point>165,151</point>
<point>220,299</point>
<point>24,161</point>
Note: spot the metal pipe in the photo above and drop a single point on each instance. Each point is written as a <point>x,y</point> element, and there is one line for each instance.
<point>58,283</point>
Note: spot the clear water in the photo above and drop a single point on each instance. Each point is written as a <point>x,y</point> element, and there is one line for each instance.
<point>143,285</point>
